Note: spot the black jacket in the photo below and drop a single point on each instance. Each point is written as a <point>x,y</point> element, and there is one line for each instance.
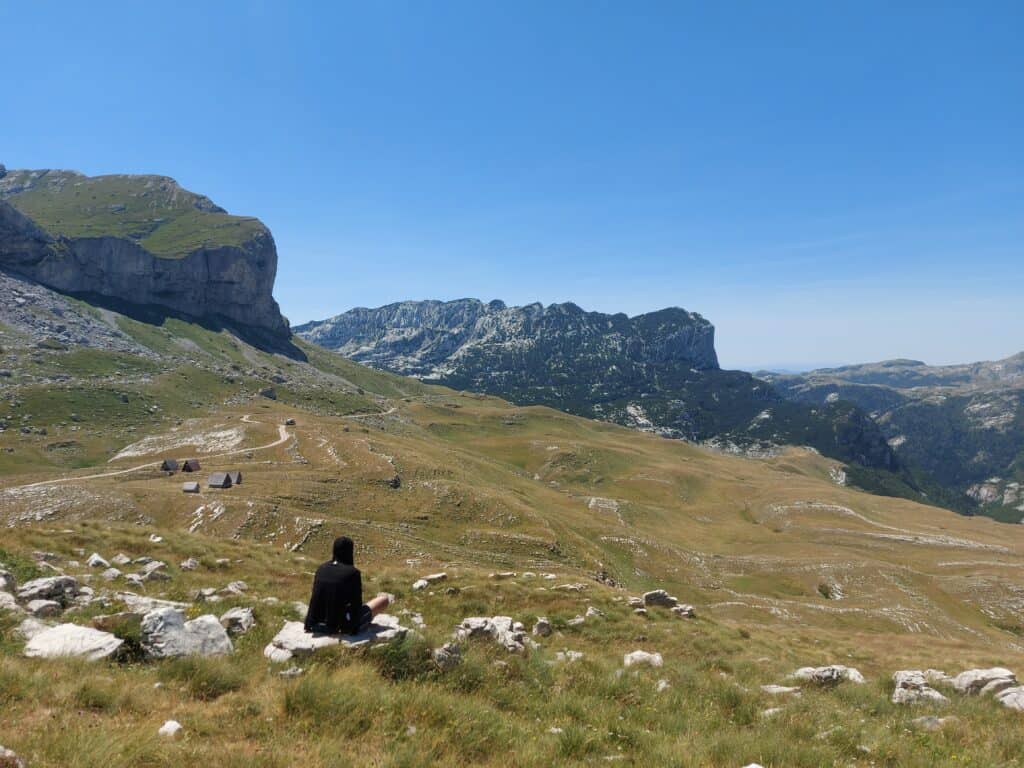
<point>337,597</point>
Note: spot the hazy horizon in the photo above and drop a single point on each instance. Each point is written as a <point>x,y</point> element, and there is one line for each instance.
<point>825,184</point>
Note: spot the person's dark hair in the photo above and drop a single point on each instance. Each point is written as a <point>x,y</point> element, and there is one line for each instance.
<point>344,549</point>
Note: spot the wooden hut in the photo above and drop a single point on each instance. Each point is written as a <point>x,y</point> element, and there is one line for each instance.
<point>169,465</point>
<point>192,465</point>
<point>236,477</point>
<point>219,480</point>
<point>191,487</point>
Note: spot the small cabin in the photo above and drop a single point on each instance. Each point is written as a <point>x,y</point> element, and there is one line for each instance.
<point>192,487</point>
<point>169,465</point>
<point>219,480</point>
<point>192,465</point>
<point>236,477</point>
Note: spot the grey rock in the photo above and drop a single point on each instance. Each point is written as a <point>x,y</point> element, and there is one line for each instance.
<point>447,657</point>
<point>95,561</point>
<point>72,640</point>
<point>293,641</point>
<point>7,581</point>
<point>972,681</point>
<point>659,597</point>
<point>911,686</point>
<point>642,658</point>
<point>120,559</point>
<point>542,627</point>
<point>827,676</point>
<point>238,621</point>
<point>1012,698</point>
<point>9,758</point>
<point>505,631</point>
<point>44,609</point>
<point>8,602</point>
<point>189,565</point>
<point>110,574</point>
<point>166,634</point>
<point>59,588</point>
<point>29,628</point>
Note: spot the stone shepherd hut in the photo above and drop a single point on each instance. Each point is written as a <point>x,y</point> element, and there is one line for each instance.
<point>192,465</point>
<point>190,487</point>
<point>236,477</point>
<point>169,465</point>
<point>219,480</point>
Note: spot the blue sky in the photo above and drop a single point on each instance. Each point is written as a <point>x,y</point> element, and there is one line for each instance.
<point>825,182</point>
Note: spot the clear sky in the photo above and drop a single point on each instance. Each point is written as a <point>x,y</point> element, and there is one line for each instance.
<point>826,182</point>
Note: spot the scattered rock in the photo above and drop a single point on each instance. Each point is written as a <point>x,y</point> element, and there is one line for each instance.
<point>120,559</point>
<point>44,609</point>
<point>828,676</point>
<point>420,584</point>
<point>294,641</point>
<point>933,723</point>
<point>780,690</point>
<point>8,602</point>
<point>684,611</point>
<point>912,686</point>
<point>7,581</point>
<point>636,602</point>
<point>662,686</point>
<point>72,640</point>
<point>238,621</point>
<point>661,598</point>
<point>59,588</point>
<point>29,628</point>
<point>447,657</point>
<point>542,627</point>
<point>166,634</point>
<point>9,759</point>
<point>290,673</point>
<point>593,612</point>
<point>570,587</point>
<point>189,565</point>
<point>95,561</point>
<point>576,621</point>
<point>170,729</point>
<point>154,539</point>
<point>502,575</point>
<point>1013,698</point>
<point>637,658</point>
<point>506,632</point>
<point>973,681</point>
<point>569,656</point>
<point>110,574</point>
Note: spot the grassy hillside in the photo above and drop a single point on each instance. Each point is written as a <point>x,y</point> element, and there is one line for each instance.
<point>784,567</point>
<point>154,211</point>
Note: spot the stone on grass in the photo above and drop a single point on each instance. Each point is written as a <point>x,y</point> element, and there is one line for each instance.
<point>420,584</point>
<point>290,673</point>
<point>972,681</point>
<point>663,685</point>
<point>293,641</point>
<point>433,578</point>
<point>912,687</point>
<point>830,675</point>
<point>166,634</point>
<point>575,622</point>
<point>120,559</point>
<point>659,597</point>
<point>110,574</point>
<point>1013,698</point>
<point>95,561</point>
<point>44,609</point>
<point>170,729</point>
<point>238,621</point>
<point>933,723</point>
<point>189,565</point>
<point>29,628</point>
<point>7,581</point>
<point>8,602</point>
<point>636,602</point>
<point>235,588</point>
<point>72,640</point>
<point>593,612</point>
<point>503,575</point>
<point>504,630</point>
<point>447,657</point>
<point>9,759</point>
<point>684,611</point>
<point>542,627</point>
<point>59,588</point>
<point>638,658</point>
<point>780,690</point>
<point>569,655</point>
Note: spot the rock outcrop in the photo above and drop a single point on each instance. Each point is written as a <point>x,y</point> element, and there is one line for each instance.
<point>294,641</point>
<point>72,640</point>
<point>166,634</point>
<point>140,240</point>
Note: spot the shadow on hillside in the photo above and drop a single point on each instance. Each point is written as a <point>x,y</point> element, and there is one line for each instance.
<point>152,314</point>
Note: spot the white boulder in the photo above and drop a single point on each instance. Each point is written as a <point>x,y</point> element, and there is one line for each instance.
<point>420,584</point>
<point>170,729</point>
<point>189,565</point>
<point>95,561</point>
<point>504,630</point>
<point>833,674</point>
<point>10,759</point>
<point>638,658</point>
<point>7,581</point>
<point>166,634</point>
<point>912,686</point>
<point>972,681</point>
<point>1012,698</point>
<point>447,657</point>
<point>72,640</point>
<point>8,602</point>
<point>29,628</point>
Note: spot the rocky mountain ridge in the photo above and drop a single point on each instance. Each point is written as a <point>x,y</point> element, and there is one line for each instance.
<point>963,425</point>
<point>656,372</point>
<point>139,240</point>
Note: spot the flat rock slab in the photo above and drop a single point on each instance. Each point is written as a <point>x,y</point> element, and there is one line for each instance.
<point>72,640</point>
<point>972,681</point>
<point>294,641</point>
<point>911,686</point>
<point>833,674</point>
<point>60,588</point>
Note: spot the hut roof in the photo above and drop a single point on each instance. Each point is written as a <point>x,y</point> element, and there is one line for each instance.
<point>192,487</point>
<point>219,480</point>
<point>236,477</point>
<point>169,465</point>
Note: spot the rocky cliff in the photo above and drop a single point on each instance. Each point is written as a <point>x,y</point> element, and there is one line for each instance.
<point>141,240</point>
<point>656,372</point>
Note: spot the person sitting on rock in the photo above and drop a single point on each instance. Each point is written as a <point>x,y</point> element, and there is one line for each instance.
<point>336,604</point>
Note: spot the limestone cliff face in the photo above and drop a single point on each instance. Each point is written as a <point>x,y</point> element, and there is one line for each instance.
<point>230,281</point>
<point>436,340</point>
